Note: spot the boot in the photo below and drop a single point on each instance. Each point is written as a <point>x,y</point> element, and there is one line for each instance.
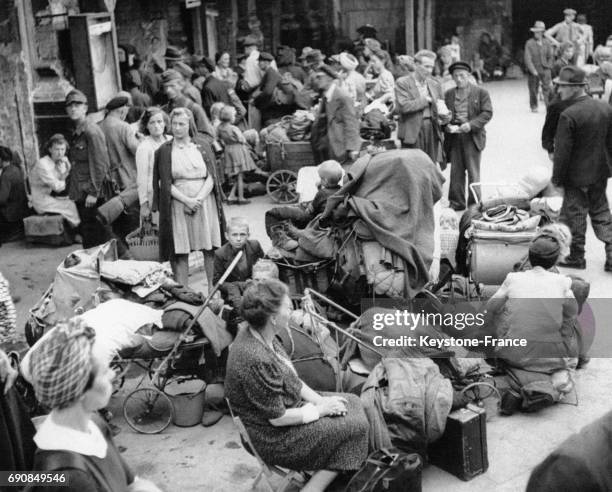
<point>282,241</point>
<point>577,263</point>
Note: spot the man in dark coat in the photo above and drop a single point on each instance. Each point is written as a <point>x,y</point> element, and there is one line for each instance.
<point>335,131</point>
<point>582,462</point>
<point>416,98</point>
<point>539,59</point>
<point>213,89</point>
<point>263,98</point>
<point>471,110</point>
<point>90,180</point>
<point>583,146</point>
<point>13,200</point>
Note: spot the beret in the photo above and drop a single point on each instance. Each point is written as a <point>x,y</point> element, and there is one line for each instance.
<point>545,246</point>
<point>117,102</point>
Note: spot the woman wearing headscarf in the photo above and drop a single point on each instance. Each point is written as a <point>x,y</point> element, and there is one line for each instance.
<point>351,80</point>
<point>75,383</point>
<point>186,194</point>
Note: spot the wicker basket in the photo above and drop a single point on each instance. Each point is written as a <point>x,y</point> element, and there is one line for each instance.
<point>144,247</point>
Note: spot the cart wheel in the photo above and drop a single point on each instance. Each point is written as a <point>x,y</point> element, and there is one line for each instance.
<point>281,186</point>
<point>148,410</point>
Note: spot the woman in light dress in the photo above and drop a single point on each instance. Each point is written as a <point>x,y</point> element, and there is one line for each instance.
<point>48,182</point>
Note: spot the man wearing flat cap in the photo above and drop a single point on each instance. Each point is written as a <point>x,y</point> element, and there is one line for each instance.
<point>189,90</point>
<point>471,110</point>
<point>263,97</point>
<point>539,59</point>
<point>172,82</point>
<point>581,165</point>
<point>90,174</point>
<point>335,131</point>
<point>567,30</point>
<point>122,143</point>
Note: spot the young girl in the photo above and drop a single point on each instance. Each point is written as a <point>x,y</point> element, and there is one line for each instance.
<point>237,156</point>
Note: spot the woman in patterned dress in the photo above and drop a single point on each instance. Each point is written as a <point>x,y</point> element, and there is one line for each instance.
<point>289,424</point>
<point>190,220</point>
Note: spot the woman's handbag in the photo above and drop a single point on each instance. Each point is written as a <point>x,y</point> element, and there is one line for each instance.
<point>388,470</point>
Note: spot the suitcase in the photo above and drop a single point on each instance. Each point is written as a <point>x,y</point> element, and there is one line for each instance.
<point>47,229</point>
<point>388,470</point>
<point>493,254</point>
<point>462,450</point>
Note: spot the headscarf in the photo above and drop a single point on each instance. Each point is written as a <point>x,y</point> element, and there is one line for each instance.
<point>61,364</point>
<point>348,61</point>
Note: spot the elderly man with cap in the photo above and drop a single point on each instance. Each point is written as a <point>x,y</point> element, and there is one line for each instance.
<point>90,180</point>
<point>335,131</point>
<point>418,98</point>
<point>351,80</point>
<point>581,165</point>
<point>567,30</point>
<point>539,59</point>
<point>173,87</point>
<point>263,97</point>
<point>471,110</point>
<point>188,89</point>
<point>122,143</point>
<point>72,379</point>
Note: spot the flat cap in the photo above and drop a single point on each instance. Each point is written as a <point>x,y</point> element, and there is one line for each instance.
<point>117,102</point>
<point>326,69</point>
<point>367,31</point>
<point>184,69</point>
<point>459,65</point>
<point>263,56</point>
<point>545,246</point>
<point>75,96</point>
<point>569,12</point>
<point>170,76</point>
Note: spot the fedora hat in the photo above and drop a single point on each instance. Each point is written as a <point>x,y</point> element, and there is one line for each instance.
<point>306,50</point>
<point>571,75</point>
<point>539,26</point>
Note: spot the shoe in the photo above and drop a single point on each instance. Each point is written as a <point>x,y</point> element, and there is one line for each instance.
<point>577,263</point>
<point>231,201</point>
<point>510,402</point>
<point>583,360</point>
<point>282,241</point>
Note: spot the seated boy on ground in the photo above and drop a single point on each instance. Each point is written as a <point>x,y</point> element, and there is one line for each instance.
<point>283,220</point>
<point>237,236</point>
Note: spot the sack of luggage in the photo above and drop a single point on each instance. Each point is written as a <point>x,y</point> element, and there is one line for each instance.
<point>388,470</point>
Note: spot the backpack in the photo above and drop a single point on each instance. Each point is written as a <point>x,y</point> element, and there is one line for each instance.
<point>388,470</point>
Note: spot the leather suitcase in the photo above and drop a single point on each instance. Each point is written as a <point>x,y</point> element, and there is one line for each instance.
<point>493,254</point>
<point>462,450</point>
<point>46,229</point>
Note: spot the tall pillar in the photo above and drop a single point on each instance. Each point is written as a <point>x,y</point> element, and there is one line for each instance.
<point>409,17</point>
<point>429,23</point>
<point>420,25</point>
<point>198,34</point>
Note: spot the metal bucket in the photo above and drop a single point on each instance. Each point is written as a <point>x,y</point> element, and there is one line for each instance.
<point>188,401</point>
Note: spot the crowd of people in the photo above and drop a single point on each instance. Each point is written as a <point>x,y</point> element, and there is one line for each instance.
<point>184,138</point>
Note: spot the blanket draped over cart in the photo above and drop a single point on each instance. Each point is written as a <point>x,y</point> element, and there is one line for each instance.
<point>392,194</point>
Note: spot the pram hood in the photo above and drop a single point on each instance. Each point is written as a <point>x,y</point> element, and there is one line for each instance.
<point>393,194</point>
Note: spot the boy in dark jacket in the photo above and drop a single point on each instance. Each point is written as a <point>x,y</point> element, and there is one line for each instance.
<point>298,216</point>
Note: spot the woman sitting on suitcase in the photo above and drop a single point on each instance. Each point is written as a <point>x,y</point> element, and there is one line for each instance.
<point>289,424</point>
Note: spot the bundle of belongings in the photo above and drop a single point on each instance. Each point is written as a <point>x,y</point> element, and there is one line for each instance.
<point>123,301</point>
<point>291,128</point>
<point>379,225</point>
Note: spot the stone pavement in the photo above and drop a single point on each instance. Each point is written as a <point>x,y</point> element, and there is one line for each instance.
<point>212,459</point>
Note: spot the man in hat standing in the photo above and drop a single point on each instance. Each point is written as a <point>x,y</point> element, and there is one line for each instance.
<point>581,165</point>
<point>417,96</point>
<point>90,181</point>
<point>539,59</point>
<point>263,98</point>
<point>122,143</point>
<point>335,131</point>
<point>188,89</point>
<point>567,30</point>
<point>465,140</point>
<point>172,82</point>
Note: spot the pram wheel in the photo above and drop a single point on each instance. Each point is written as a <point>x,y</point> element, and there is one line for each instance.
<point>148,410</point>
<point>281,186</point>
